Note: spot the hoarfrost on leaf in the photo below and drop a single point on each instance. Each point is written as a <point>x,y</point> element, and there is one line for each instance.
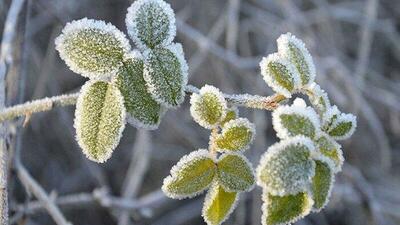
<point>151,23</point>
<point>192,175</point>
<point>318,98</point>
<point>331,149</point>
<point>236,135</point>
<point>231,114</point>
<point>322,182</point>
<point>92,48</point>
<point>343,127</point>
<point>209,107</point>
<point>287,167</point>
<point>99,119</point>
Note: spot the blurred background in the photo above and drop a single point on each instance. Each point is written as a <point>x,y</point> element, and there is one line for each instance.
<point>355,46</point>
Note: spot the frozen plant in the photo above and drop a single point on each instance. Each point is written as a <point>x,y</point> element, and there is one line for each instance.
<point>139,85</point>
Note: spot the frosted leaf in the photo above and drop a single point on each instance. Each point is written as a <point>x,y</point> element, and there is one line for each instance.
<point>99,119</point>
<point>151,23</point>
<point>142,110</point>
<point>296,52</point>
<point>331,149</point>
<point>322,183</point>
<point>318,98</point>
<point>231,114</point>
<point>236,135</point>
<point>282,210</point>
<point>192,175</point>
<point>343,127</point>
<point>297,119</point>
<point>280,74</point>
<point>92,48</point>
<point>208,107</point>
<point>165,73</point>
<point>329,117</point>
<point>287,167</point>
<point>218,204</point>
<point>235,173</point>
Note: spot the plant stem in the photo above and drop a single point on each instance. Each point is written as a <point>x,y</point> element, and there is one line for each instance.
<point>211,144</point>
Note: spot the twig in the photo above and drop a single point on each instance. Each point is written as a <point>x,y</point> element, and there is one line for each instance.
<point>6,58</point>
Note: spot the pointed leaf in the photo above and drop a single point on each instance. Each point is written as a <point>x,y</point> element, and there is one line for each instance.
<point>218,205</point>
<point>151,23</point>
<point>322,183</point>
<point>231,114</point>
<point>235,173</point>
<point>99,119</point>
<point>190,176</point>
<point>280,210</point>
<point>280,74</point>
<point>165,73</point>
<point>236,135</point>
<point>297,119</point>
<point>343,127</point>
<point>143,111</point>
<point>208,107</point>
<point>92,48</point>
<point>287,167</point>
<point>296,52</point>
<point>331,149</point>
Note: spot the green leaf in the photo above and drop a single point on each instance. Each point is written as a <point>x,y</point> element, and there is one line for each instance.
<point>322,183</point>
<point>92,48</point>
<point>318,98</point>
<point>296,52</point>
<point>99,119</point>
<point>143,111</point>
<point>208,107</point>
<point>236,135</point>
<point>343,127</point>
<point>297,119</point>
<point>218,205</point>
<point>279,210</point>
<point>280,74</point>
<point>231,114</point>
<point>287,167</point>
<point>165,73</point>
<point>190,176</point>
<point>151,23</point>
<point>331,149</point>
<point>235,173</point>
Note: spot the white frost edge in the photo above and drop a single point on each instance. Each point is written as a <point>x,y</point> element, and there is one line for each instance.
<point>299,108</point>
<point>331,165</point>
<point>239,122</point>
<point>275,57</point>
<point>182,163</point>
<point>209,199</point>
<point>328,115</point>
<point>343,117</point>
<point>276,149</point>
<point>248,164</point>
<point>265,204</point>
<point>338,147</point>
<point>132,27</point>
<point>177,50</point>
<point>86,23</point>
<point>283,49</point>
<point>207,89</point>
<point>77,121</point>
<point>318,92</point>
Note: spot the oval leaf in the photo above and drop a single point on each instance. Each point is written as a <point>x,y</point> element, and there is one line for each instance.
<point>99,119</point>
<point>218,205</point>
<point>296,52</point>
<point>92,48</point>
<point>165,73</point>
<point>322,183</point>
<point>343,127</point>
<point>297,119</point>
<point>190,176</point>
<point>208,107</point>
<point>331,149</point>
<point>279,210</point>
<point>287,167</point>
<point>231,114</point>
<point>151,23</point>
<point>236,135</point>
<point>235,173</point>
<point>318,98</point>
<point>279,74</point>
<point>143,111</point>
